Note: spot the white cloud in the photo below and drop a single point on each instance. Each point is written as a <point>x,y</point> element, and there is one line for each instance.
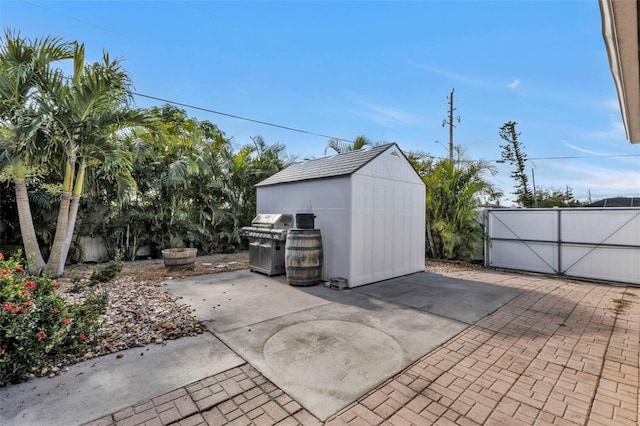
<point>605,154</point>
<point>451,75</point>
<point>611,105</point>
<point>618,181</point>
<point>382,114</point>
<point>582,150</point>
<point>389,116</point>
<point>514,84</point>
<point>613,134</point>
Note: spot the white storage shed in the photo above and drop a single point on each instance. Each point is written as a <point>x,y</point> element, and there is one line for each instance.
<point>369,205</point>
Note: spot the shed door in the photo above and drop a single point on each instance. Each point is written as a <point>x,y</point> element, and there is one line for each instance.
<point>387,229</point>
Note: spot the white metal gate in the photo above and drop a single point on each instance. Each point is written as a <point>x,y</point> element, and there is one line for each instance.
<point>595,243</point>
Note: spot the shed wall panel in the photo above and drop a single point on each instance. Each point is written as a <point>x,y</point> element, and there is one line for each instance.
<point>388,229</point>
<point>391,165</point>
<point>330,201</point>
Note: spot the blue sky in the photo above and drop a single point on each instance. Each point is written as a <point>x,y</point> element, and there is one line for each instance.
<point>382,69</point>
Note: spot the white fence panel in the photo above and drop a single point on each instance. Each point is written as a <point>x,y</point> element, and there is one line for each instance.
<point>611,226</point>
<point>602,244</point>
<point>534,257</point>
<point>93,249</point>
<point>534,225</point>
<point>602,263</point>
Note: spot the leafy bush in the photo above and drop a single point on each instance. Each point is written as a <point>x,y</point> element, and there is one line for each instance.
<point>37,328</point>
<point>108,271</point>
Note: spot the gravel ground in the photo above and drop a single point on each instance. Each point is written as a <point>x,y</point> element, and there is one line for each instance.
<point>449,266</point>
<point>139,312</point>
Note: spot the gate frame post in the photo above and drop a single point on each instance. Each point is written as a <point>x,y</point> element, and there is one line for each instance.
<point>560,272</point>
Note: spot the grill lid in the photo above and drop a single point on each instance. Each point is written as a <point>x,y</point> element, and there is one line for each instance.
<point>273,221</point>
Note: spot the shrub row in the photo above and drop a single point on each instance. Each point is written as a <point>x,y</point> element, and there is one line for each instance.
<point>37,327</point>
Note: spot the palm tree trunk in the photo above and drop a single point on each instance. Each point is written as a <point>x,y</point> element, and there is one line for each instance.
<point>29,239</point>
<point>71,220</point>
<point>430,238</point>
<point>53,264</point>
<point>71,227</point>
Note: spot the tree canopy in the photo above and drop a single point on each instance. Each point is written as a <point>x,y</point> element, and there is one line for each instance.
<point>136,177</point>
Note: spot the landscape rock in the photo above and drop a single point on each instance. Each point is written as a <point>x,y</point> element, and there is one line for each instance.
<point>138,311</point>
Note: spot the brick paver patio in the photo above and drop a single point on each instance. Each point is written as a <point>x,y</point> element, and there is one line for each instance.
<point>562,353</point>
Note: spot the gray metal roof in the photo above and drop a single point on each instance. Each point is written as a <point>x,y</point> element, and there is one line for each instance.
<point>337,165</point>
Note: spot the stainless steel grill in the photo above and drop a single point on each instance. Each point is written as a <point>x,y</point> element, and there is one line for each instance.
<point>267,236</point>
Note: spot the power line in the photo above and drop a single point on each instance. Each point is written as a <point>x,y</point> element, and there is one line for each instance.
<point>549,158</point>
<point>76,19</point>
<point>266,123</point>
<point>585,156</point>
<point>293,129</point>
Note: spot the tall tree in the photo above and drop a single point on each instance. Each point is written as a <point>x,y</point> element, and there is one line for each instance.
<point>69,125</point>
<point>513,153</point>
<point>89,115</point>
<point>240,171</point>
<point>453,193</point>
<point>168,167</point>
<point>25,68</point>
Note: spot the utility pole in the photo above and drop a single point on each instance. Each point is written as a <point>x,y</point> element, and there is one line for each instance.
<point>450,123</point>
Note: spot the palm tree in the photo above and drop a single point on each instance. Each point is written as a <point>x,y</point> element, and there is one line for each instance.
<point>238,171</point>
<point>340,146</point>
<point>55,122</point>
<point>453,192</point>
<point>422,162</point>
<point>89,116</point>
<point>25,67</point>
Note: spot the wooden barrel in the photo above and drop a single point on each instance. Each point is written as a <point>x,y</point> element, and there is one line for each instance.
<point>303,256</point>
<point>179,257</point>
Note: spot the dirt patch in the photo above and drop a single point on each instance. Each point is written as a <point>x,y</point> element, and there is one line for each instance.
<point>154,269</point>
<point>139,312</point>
<point>447,266</point>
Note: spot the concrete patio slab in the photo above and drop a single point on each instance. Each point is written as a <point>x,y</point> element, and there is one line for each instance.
<point>103,385</point>
<point>328,356</point>
<point>466,301</point>
<point>231,300</point>
<point>324,347</point>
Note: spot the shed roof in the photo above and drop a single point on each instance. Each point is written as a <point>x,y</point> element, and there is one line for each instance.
<point>342,164</point>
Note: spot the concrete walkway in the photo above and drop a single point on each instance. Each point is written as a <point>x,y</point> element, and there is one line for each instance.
<point>105,384</point>
<point>560,352</point>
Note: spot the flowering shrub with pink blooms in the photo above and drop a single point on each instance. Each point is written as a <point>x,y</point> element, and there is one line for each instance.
<point>38,328</point>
